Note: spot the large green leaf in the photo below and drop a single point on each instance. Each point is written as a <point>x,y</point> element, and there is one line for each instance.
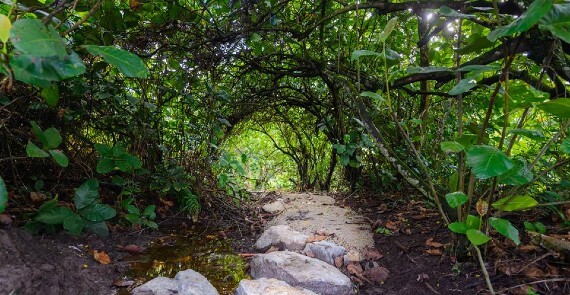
<point>3,195</point>
<point>390,54</point>
<point>54,216</point>
<point>451,146</point>
<point>473,222</point>
<point>51,95</point>
<point>458,227</point>
<point>128,63</point>
<point>86,194</point>
<point>40,71</point>
<point>477,237</point>
<point>52,138</point>
<point>515,203</point>
<point>32,37</point>
<point>74,224</point>
<point>38,132</point>
<point>557,21</point>
<point>529,18</point>
<point>449,12</point>
<point>60,158</point>
<point>532,134</point>
<point>518,175</point>
<point>427,70</point>
<point>98,212</point>
<point>99,228</point>
<point>487,161</point>
<point>5,25</point>
<point>35,151</point>
<point>476,45</point>
<point>505,228</point>
<point>388,29</point>
<point>565,146</point>
<point>558,107</point>
<point>463,86</point>
<point>456,199</point>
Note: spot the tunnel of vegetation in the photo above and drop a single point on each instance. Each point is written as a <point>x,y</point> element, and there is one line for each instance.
<point>197,101</point>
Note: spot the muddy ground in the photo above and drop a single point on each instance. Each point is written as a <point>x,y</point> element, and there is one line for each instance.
<point>413,242</point>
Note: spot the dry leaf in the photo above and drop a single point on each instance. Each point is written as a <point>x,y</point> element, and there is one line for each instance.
<point>431,243</point>
<point>131,249</point>
<point>508,268</point>
<point>354,268</point>
<point>372,254</point>
<point>482,207</point>
<point>134,4</point>
<point>529,248</point>
<point>533,273</point>
<point>37,197</point>
<point>391,225</point>
<point>166,203</point>
<point>338,261</point>
<point>101,257</point>
<point>315,238</point>
<point>377,274</point>
<point>436,252</point>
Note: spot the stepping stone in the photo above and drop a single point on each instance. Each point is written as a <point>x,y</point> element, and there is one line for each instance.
<point>264,286</point>
<point>187,282</point>
<point>324,251</point>
<point>282,237</point>
<point>274,207</point>
<point>301,271</point>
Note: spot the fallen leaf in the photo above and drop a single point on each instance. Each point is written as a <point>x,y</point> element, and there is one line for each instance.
<point>101,257</point>
<point>123,283</point>
<point>354,268</point>
<point>315,238</point>
<point>131,249</point>
<point>529,248</point>
<point>391,225</point>
<point>338,261</point>
<point>5,219</point>
<point>166,203</point>
<point>431,243</point>
<point>372,254</point>
<point>533,273</point>
<point>408,231</point>
<point>377,274</point>
<point>508,268</point>
<point>37,197</point>
<point>436,252</point>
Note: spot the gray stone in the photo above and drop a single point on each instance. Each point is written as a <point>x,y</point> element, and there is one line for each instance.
<point>187,282</point>
<point>353,256</point>
<point>264,286</point>
<point>282,237</point>
<point>301,271</point>
<point>274,207</point>
<point>324,251</point>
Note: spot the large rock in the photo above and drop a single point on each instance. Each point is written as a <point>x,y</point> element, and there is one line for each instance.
<point>301,271</point>
<point>187,282</point>
<point>324,251</point>
<point>274,207</point>
<point>282,237</point>
<point>264,286</point>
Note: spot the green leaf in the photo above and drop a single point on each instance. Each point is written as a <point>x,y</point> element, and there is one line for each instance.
<point>463,86</point>
<point>5,26</point>
<point>53,138</point>
<point>487,161</point>
<point>557,21</point>
<point>132,218</point>
<point>473,222</point>
<point>532,134</point>
<point>456,199</point>
<point>98,212</point>
<point>477,237</point>
<point>458,227</point>
<point>515,203</point>
<point>565,146</point>
<point>35,151</point>
<point>32,37</point>
<point>104,150</point>
<point>427,70</point>
<point>559,107</point>
<point>479,68</point>
<point>133,210</point>
<point>98,228</point>
<point>344,159</point>
<point>128,63</point>
<point>38,132</point>
<point>505,228</point>
<point>388,29</point>
<point>74,224</point>
<point>59,157</point>
<point>529,18</point>
<point>51,95</point>
<point>447,11</point>
<point>373,95</point>
<point>518,175</point>
<point>105,165</point>
<point>40,71</point>
<point>152,224</point>
<point>149,211</point>
<point>3,195</point>
<point>451,146</point>
<point>54,216</point>
<point>476,45</point>
<point>86,194</point>
<point>390,54</point>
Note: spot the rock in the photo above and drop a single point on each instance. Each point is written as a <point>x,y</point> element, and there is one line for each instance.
<point>353,256</point>
<point>283,237</point>
<point>301,271</point>
<point>187,282</point>
<point>325,251</point>
<point>274,207</point>
<point>264,286</point>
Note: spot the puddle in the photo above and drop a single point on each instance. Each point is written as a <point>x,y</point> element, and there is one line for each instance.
<point>201,251</point>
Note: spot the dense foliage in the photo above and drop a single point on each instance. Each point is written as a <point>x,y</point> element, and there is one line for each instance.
<point>467,102</point>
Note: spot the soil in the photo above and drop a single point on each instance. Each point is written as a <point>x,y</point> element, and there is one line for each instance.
<point>413,242</point>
